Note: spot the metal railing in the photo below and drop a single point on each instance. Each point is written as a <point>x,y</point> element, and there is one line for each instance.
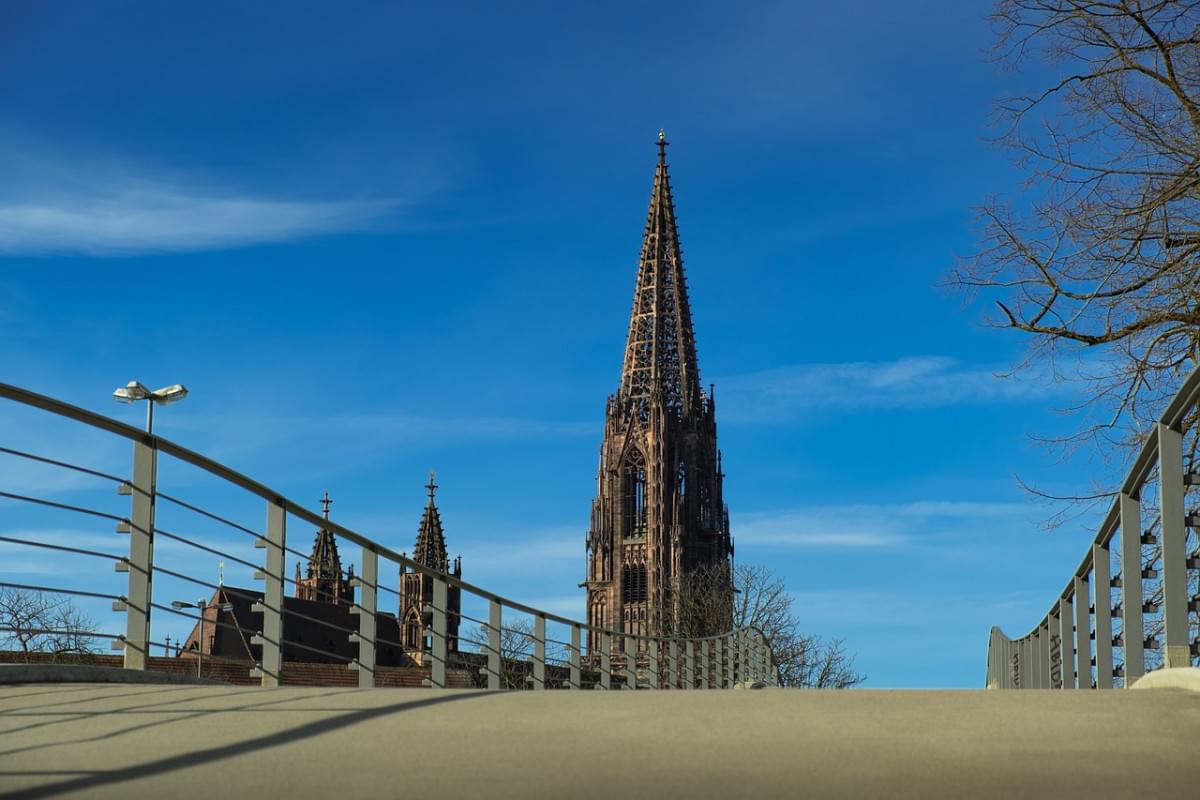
<point>623,660</point>
<point>1133,604</point>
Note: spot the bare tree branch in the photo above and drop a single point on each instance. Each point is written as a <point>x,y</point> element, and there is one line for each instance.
<point>1102,253</point>
<point>761,600</point>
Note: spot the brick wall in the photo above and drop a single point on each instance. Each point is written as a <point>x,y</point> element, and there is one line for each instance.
<point>295,673</point>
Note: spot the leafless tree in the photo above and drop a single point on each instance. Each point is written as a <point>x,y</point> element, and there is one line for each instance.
<point>516,652</point>
<point>38,622</point>
<point>705,600</point>
<point>760,599</point>
<point>1100,252</point>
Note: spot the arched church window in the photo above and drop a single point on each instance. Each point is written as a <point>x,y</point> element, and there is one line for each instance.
<point>634,491</point>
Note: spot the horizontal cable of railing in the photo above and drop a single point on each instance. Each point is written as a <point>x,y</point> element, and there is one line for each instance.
<point>274,499</point>
<point>191,543</point>
<point>62,548</point>
<point>65,465</point>
<point>208,514</point>
<point>63,506</point>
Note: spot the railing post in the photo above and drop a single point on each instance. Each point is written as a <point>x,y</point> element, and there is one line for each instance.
<point>1035,659</point>
<point>576,681</point>
<point>730,659</point>
<point>1176,647</point>
<point>689,664</point>
<point>270,638</point>
<point>1011,662</point>
<point>705,663</point>
<point>605,660</point>
<point>766,671</point>
<point>1083,634</point>
<point>539,651</point>
<point>673,664</point>
<point>1056,654</point>
<point>365,608</point>
<point>718,677</point>
<point>437,609</point>
<point>652,668</point>
<point>1043,655</point>
<point>495,663</point>
<point>141,558</point>
<point>1026,662</point>
<point>1102,589</point>
<point>630,662</point>
<point>1066,643</point>
<point>726,659</point>
<point>1132,629</point>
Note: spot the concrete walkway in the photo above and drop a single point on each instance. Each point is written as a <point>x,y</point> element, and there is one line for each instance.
<point>94,740</point>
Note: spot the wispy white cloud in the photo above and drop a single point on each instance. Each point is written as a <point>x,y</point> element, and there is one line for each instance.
<point>913,382</point>
<point>856,526</point>
<point>55,203</point>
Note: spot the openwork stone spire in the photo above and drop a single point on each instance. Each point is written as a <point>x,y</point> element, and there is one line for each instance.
<point>660,356</point>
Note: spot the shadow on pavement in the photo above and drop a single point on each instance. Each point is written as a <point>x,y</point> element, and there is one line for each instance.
<point>199,757</point>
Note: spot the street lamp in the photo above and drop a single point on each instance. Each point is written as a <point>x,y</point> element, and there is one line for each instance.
<point>202,605</point>
<point>134,391</point>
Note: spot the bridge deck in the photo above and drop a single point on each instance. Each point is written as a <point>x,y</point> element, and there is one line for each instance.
<point>105,740</point>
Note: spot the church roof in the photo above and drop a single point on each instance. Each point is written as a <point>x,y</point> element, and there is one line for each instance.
<point>313,631</point>
<point>430,549</point>
<point>660,355</point>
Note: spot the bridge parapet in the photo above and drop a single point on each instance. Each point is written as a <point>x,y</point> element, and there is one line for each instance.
<point>515,645</point>
<point>1133,604</point>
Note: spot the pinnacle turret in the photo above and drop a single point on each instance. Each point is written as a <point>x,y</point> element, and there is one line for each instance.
<point>430,549</point>
<point>324,579</point>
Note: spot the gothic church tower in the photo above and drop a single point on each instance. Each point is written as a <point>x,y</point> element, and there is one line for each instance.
<point>416,589</point>
<point>659,513</point>
<point>325,581</point>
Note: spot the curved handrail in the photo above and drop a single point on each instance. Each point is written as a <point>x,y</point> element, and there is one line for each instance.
<point>163,445</point>
<point>1150,454</point>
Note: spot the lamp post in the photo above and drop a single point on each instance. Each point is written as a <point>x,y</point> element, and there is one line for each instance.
<point>134,391</point>
<point>201,604</point>
<point>142,544</point>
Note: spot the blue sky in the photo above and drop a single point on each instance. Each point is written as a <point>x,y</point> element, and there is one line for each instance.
<point>395,238</point>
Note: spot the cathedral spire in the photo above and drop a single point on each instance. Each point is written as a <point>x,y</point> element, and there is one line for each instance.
<point>659,515</point>
<point>660,355</point>
<point>324,579</point>
<point>430,549</point>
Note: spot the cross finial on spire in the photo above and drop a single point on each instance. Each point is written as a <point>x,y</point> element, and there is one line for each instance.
<point>662,145</point>
<point>326,502</point>
<point>431,486</point>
